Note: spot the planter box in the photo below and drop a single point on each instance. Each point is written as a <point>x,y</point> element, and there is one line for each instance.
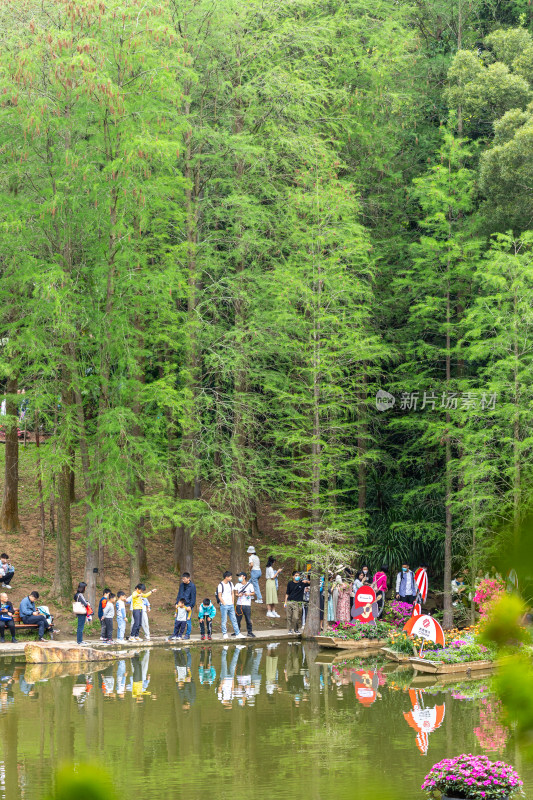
<point>372,645</point>
<point>400,658</point>
<point>439,668</point>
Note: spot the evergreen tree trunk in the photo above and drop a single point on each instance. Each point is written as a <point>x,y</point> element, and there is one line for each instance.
<point>516,430</point>
<point>41,497</point>
<point>72,456</point>
<point>312,625</point>
<point>9,513</point>
<point>62,587</point>
<point>361,446</point>
<point>53,481</point>
<point>242,512</point>
<point>139,559</point>
<point>91,556</point>
<point>188,484</point>
<point>448,608</point>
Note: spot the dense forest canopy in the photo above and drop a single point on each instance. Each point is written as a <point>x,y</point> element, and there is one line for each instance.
<point>226,226</point>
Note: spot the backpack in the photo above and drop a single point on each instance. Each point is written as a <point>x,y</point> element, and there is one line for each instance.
<point>220,588</point>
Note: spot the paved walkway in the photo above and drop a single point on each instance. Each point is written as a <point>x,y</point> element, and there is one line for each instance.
<point>156,641</point>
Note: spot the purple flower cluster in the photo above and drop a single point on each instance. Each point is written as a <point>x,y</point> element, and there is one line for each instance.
<point>473,777</point>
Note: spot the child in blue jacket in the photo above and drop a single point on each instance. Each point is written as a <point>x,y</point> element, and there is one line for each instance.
<point>206,614</point>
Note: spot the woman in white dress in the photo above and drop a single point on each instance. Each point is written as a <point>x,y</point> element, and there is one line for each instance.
<point>271,589</point>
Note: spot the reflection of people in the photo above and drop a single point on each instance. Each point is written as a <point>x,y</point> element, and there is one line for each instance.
<point>271,670</point>
<point>121,678</point>
<point>206,672</point>
<point>82,687</point>
<point>25,687</point>
<point>249,678</point>
<point>108,683</point>
<point>405,585</point>
<point>227,676</point>
<point>7,679</point>
<point>145,663</point>
<point>293,674</point>
<point>137,689</point>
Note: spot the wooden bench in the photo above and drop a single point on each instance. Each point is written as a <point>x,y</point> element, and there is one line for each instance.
<point>22,626</point>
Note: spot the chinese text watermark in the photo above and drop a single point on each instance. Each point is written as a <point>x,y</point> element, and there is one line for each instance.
<point>448,401</point>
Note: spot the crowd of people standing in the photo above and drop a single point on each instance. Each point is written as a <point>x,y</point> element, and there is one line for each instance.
<point>235,598</point>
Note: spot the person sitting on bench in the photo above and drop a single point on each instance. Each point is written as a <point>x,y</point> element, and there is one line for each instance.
<point>29,617</point>
<point>7,618</point>
<point>6,571</point>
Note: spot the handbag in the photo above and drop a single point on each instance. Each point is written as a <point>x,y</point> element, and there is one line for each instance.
<point>78,607</point>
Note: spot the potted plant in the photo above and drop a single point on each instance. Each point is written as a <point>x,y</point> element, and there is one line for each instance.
<point>469,777</point>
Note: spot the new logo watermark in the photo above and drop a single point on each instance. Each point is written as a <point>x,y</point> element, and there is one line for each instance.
<point>384,400</point>
<point>448,401</point>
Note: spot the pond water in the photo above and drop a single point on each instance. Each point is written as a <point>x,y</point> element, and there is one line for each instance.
<point>267,721</point>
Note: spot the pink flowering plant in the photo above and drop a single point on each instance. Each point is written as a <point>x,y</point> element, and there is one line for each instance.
<point>397,613</point>
<point>471,777</point>
<point>487,593</point>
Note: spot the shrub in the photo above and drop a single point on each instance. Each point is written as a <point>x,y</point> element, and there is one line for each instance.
<point>486,594</point>
<point>397,613</point>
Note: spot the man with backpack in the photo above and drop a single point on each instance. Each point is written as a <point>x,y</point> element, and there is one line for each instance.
<point>224,595</point>
<point>244,594</point>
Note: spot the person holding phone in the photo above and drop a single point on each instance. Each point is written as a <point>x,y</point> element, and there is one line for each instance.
<point>271,573</point>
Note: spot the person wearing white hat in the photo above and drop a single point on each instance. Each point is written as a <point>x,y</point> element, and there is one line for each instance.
<point>255,572</point>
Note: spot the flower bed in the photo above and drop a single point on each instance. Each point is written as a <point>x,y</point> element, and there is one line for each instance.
<point>460,651</point>
<point>460,647</point>
<point>357,631</point>
<point>472,777</point>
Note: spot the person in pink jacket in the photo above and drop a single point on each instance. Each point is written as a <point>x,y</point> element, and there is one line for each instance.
<point>379,583</point>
